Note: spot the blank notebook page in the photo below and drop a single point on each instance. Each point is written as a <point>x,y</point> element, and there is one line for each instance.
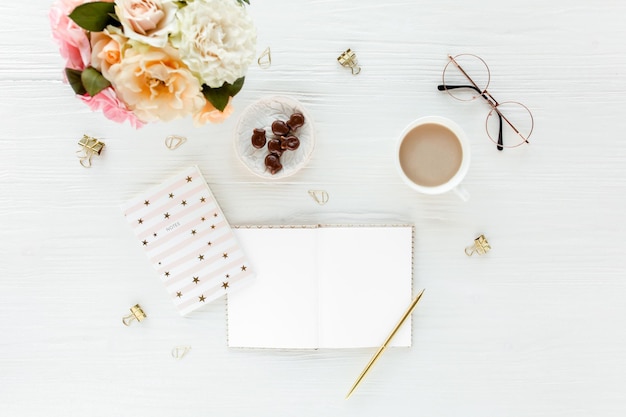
<point>323,287</point>
<point>365,285</point>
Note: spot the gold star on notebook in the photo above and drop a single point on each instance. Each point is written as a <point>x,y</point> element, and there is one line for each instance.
<point>201,298</point>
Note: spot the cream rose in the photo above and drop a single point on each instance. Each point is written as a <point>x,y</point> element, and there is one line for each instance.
<point>216,40</point>
<point>155,84</point>
<point>106,49</point>
<point>147,21</point>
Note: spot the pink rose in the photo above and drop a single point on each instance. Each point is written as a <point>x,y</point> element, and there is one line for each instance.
<point>112,108</point>
<point>210,114</point>
<point>72,40</point>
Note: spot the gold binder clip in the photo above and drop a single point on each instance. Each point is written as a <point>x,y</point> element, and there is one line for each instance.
<point>174,141</point>
<point>320,196</point>
<point>348,59</point>
<point>179,352</point>
<point>481,246</point>
<point>136,313</point>
<point>265,60</point>
<point>90,147</point>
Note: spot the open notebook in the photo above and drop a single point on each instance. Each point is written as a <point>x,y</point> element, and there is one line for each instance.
<point>323,287</point>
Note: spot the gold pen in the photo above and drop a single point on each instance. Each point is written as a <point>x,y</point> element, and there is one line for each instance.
<point>381,349</point>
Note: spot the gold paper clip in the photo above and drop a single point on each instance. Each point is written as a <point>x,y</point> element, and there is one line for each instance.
<point>265,60</point>
<point>136,313</point>
<point>90,147</point>
<point>320,196</point>
<point>174,141</point>
<point>481,246</point>
<point>348,59</point>
<point>179,352</point>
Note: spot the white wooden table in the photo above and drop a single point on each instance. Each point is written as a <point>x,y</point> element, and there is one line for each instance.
<point>534,328</point>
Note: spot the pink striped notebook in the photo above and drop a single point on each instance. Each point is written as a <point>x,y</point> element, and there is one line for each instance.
<point>188,240</point>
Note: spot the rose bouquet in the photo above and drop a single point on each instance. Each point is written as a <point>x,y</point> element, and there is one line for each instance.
<point>155,60</point>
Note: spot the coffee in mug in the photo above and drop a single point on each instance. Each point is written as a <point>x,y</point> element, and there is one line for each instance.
<point>433,156</point>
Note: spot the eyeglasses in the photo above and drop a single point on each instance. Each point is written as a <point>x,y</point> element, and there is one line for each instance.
<point>508,115</point>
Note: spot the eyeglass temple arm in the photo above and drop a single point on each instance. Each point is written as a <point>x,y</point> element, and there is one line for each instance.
<point>442,87</point>
<point>500,141</point>
<point>483,93</point>
<point>494,105</point>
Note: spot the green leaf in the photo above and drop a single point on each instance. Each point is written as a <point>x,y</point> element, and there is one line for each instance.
<point>93,81</point>
<point>114,20</point>
<point>235,87</point>
<point>94,16</point>
<point>73,77</point>
<point>219,96</point>
<point>242,1</point>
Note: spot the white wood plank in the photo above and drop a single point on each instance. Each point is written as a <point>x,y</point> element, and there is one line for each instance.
<point>534,328</point>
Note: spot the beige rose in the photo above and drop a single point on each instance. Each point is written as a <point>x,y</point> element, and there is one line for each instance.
<point>106,49</point>
<point>210,114</point>
<point>155,84</point>
<point>147,21</point>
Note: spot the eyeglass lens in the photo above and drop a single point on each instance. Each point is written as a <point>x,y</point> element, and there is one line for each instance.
<point>510,124</point>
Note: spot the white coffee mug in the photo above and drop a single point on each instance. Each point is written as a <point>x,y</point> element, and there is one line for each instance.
<point>433,156</point>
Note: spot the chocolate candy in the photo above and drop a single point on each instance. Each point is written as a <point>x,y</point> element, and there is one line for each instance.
<point>295,121</point>
<point>272,162</point>
<point>280,128</point>
<point>258,138</point>
<point>275,146</point>
<point>290,143</point>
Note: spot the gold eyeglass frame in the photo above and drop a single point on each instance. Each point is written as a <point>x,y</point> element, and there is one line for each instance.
<point>486,95</point>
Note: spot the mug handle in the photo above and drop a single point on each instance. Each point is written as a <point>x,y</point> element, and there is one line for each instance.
<point>461,193</point>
